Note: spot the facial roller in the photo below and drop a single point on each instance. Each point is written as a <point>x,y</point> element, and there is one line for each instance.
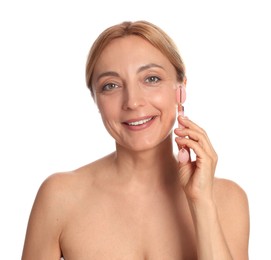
<point>183,155</point>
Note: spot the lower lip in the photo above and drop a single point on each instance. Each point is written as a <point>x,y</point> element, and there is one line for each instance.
<point>140,127</point>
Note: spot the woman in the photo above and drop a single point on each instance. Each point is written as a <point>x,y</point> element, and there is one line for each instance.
<point>140,202</point>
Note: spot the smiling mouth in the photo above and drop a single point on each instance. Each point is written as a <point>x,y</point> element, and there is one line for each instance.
<point>139,122</point>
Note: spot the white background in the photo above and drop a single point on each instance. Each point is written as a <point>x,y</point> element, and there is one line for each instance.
<point>49,122</point>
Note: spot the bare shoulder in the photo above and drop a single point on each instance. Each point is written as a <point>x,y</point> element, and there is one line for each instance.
<point>63,185</point>
<point>47,219</point>
<point>56,199</point>
<point>229,194</point>
<point>231,200</point>
<point>233,211</point>
<point>55,195</point>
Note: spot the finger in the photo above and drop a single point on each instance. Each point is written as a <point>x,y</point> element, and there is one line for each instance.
<point>187,123</point>
<point>197,137</point>
<point>201,154</point>
<point>191,144</point>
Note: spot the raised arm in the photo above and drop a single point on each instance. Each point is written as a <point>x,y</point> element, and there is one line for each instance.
<point>219,208</point>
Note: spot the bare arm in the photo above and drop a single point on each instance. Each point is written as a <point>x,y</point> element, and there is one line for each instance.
<point>219,208</point>
<point>233,214</point>
<point>211,243</point>
<point>45,222</point>
<point>222,227</point>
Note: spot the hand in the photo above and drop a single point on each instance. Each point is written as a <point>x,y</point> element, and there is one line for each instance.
<point>196,177</point>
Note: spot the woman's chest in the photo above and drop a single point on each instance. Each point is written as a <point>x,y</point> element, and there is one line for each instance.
<point>110,230</point>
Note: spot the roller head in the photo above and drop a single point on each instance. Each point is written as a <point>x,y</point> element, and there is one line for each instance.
<point>181,94</point>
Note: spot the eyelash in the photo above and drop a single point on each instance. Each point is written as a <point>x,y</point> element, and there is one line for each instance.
<point>152,79</point>
<point>109,87</point>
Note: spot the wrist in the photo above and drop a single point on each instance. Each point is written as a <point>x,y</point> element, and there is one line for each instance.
<point>204,213</point>
<point>211,243</point>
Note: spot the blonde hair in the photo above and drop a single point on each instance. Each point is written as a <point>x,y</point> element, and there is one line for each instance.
<point>146,30</point>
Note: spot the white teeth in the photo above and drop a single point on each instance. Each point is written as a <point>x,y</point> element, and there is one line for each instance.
<point>140,122</point>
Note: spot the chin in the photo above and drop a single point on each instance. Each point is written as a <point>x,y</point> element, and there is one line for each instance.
<point>145,144</point>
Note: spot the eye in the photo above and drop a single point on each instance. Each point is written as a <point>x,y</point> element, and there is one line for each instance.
<point>109,87</point>
<point>152,79</point>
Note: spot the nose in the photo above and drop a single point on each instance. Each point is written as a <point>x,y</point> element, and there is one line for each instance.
<point>133,98</point>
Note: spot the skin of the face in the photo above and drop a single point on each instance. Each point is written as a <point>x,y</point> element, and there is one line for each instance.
<point>134,81</point>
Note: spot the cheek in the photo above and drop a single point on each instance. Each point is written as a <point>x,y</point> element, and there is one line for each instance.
<point>107,111</point>
<point>166,100</point>
<point>107,104</point>
<point>167,104</point>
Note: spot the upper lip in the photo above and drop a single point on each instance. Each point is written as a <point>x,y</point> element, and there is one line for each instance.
<point>138,119</point>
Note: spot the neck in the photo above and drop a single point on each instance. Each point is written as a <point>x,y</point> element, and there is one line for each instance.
<point>154,166</point>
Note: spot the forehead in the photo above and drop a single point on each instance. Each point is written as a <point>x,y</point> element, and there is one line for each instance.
<point>130,50</point>
<point>129,42</point>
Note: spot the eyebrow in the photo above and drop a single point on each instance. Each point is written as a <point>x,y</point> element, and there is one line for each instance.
<point>108,73</point>
<point>149,66</point>
<point>142,68</point>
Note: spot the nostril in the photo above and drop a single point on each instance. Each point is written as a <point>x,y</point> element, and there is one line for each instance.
<point>134,101</point>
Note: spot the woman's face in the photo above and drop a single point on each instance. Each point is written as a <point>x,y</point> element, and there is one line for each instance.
<point>134,87</point>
